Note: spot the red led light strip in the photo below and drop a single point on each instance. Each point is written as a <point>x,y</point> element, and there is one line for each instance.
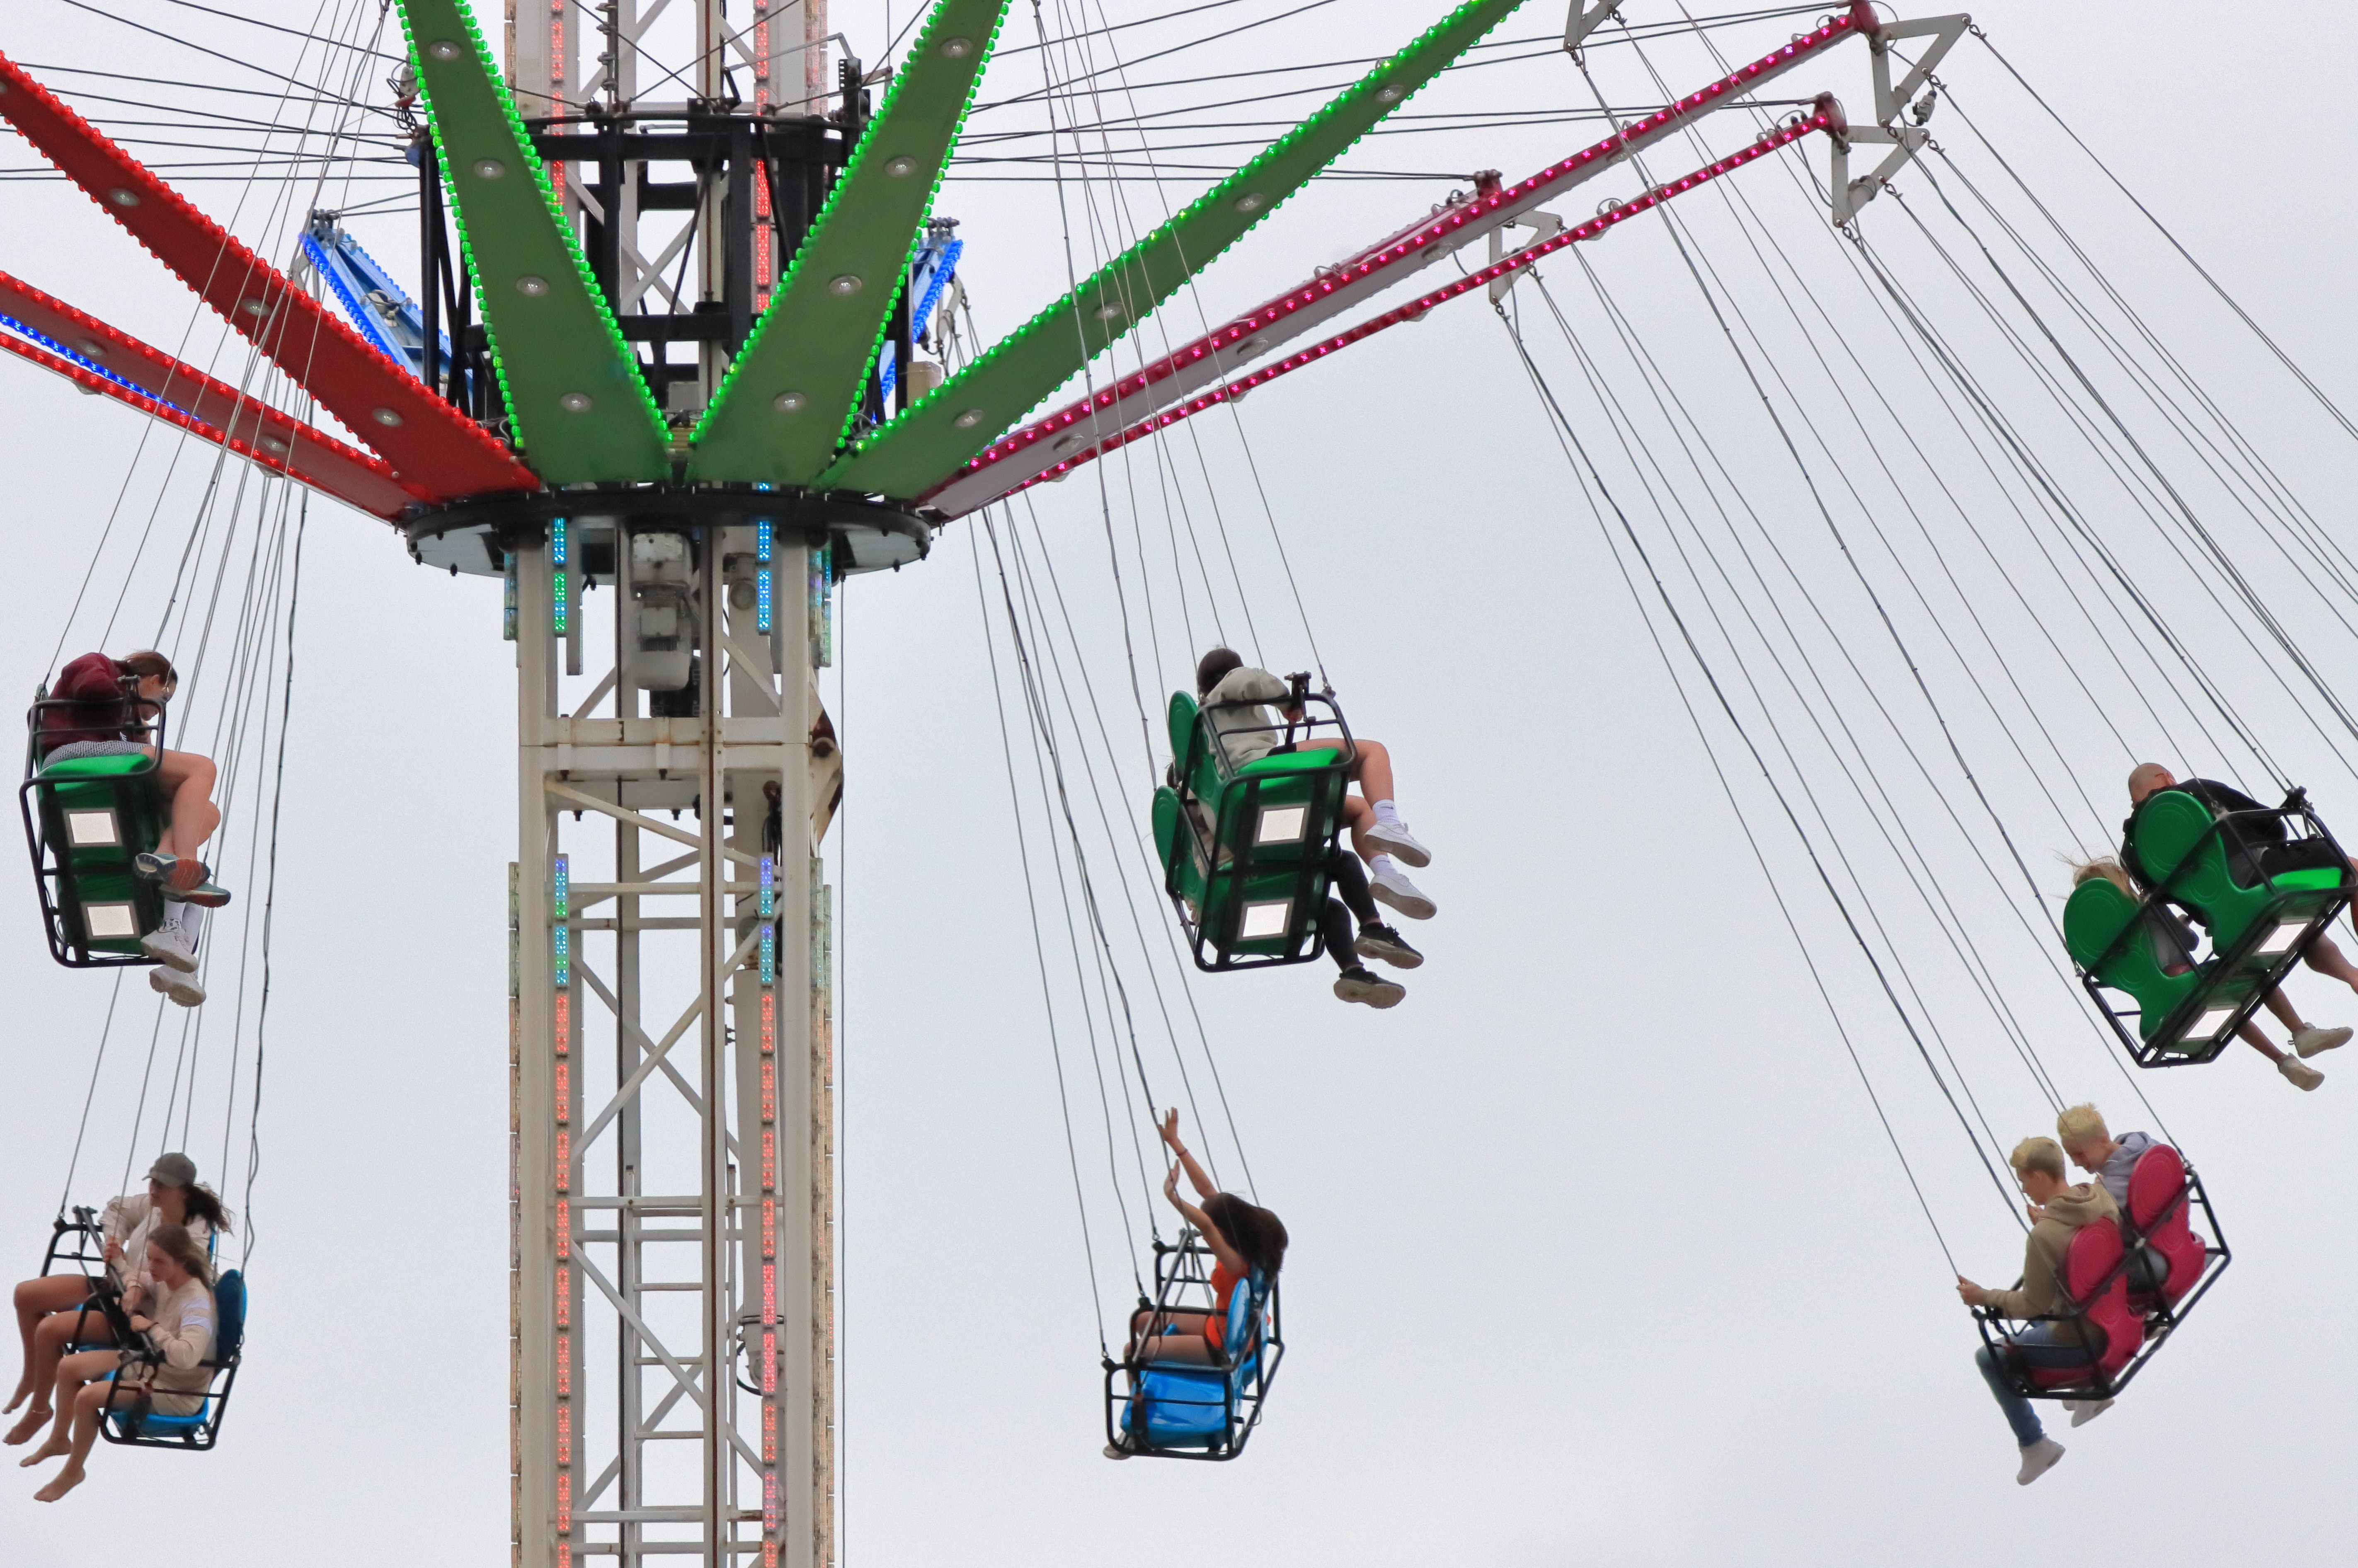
<point>1334,289</point>
<point>211,409</point>
<point>428,441</point>
<point>560,1032</point>
<point>769,1180</point>
<point>1597,225</point>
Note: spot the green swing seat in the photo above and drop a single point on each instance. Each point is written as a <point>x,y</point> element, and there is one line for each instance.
<point>1244,849</point>
<point>2258,928</point>
<point>86,818</point>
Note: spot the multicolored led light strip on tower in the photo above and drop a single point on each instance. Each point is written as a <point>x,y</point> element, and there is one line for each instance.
<point>560,600</point>
<point>769,1180</point>
<point>763,596</point>
<point>561,1044</point>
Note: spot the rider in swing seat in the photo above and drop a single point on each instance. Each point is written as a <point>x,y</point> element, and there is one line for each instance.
<point>111,702</point>
<point>1378,837</point>
<point>2173,942</point>
<point>2057,1208</point>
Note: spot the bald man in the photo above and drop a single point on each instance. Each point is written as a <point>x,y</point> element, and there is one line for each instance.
<point>2249,844</point>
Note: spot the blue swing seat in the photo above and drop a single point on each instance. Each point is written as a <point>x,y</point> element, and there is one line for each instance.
<point>146,1427</point>
<point>1186,1405</point>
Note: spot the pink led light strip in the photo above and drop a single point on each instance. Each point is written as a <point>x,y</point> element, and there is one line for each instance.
<point>1368,271</point>
<point>1782,136</point>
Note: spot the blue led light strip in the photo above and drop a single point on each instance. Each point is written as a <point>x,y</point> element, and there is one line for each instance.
<point>84,361</point>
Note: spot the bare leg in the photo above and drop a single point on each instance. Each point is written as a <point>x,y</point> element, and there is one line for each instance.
<point>57,1334</point>
<point>88,1366</point>
<point>1358,816</point>
<point>188,783</point>
<point>2259,1042</point>
<point>2287,1014</point>
<point>1184,1341</point>
<point>2327,960</point>
<point>1373,770</point>
<point>36,1299</point>
<point>88,1409</point>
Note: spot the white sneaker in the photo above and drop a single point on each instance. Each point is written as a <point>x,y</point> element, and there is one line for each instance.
<point>182,988</point>
<point>2088,1410</point>
<point>166,943</point>
<point>2310,1041</point>
<point>1379,840</point>
<point>2300,1072</point>
<point>2037,1460</point>
<point>1389,887</point>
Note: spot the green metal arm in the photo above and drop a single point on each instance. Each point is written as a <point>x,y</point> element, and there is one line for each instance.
<point>576,400</point>
<point>789,399</point>
<point>962,415</point>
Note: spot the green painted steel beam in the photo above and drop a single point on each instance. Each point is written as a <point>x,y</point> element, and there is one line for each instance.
<point>961,416</point>
<point>789,400</point>
<point>578,407</point>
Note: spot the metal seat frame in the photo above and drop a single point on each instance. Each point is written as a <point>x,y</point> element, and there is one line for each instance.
<point>1182,1283</point>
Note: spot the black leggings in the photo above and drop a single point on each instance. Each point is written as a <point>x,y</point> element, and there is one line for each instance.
<point>1349,880</point>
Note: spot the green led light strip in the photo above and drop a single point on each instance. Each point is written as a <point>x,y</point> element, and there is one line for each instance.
<point>789,399</point>
<point>574,398</point>
<point>961,416</point>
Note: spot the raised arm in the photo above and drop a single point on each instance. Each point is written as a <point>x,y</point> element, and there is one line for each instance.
<point>1196,1177</point>
<point>1223,1253</point>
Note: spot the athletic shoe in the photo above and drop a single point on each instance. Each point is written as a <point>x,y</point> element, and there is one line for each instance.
<point>2088,1410</point>
<point>2037,1460</point>
<point>184,880</point>
<point>1390,887</point>
<point>2300,1072</point>
<point>182,988</point>
<point>1118,1450</point>
<point>1359,983</point>
<point>167,944</point>
<point>2310,1041</point>
<point>1381,942</point>
<point>1376,839</point>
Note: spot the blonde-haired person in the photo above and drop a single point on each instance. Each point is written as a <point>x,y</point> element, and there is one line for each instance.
<point>2057,1208</point>
<point>177,1327</point>
<point>2174,943</point>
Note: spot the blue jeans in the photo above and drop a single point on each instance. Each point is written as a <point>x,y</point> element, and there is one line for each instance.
<point>2036,1345</point>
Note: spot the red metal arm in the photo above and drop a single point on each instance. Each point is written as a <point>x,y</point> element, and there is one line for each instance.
<point>1768,142</point>
<point>428,442</point>
<point>999,468</point>
<point>218,411</point>
<point>373,489</point>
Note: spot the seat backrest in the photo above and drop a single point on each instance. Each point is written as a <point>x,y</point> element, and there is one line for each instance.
<point>1238,1333</point>
<point>2175,844</point>
<point>229,1315</point>
<point>1181,724</point>
<point>2160,1206</point>
<point>2097,929</point>
<point>2094,1253</point>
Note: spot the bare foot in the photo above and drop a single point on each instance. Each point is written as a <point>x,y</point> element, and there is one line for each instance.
<point>67,1480</point>
<point>52,1449</point>
<point>35,1418</point>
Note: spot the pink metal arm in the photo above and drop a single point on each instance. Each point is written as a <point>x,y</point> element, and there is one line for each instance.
<point>1226,391</point>
<point>1002,466</point>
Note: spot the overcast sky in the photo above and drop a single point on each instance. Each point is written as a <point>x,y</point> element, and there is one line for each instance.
<point>1600,1252</point>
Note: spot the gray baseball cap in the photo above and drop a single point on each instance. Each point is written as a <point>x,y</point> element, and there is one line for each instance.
<point>173,1171</point>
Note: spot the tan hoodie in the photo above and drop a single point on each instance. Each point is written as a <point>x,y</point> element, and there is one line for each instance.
<point>2040,1293</point>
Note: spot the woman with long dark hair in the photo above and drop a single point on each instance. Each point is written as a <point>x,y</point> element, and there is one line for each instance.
<point>175,1321</point>
<point>1244,1238</point>
<point>56,1311</point>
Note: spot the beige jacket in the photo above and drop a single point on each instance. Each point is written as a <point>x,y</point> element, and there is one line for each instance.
<point>2040,1293</point>
<point>182,1329</point>
<point>131,1221</point>
<point>1263,732</point>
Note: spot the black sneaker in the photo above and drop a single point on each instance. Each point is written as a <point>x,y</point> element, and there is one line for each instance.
<point>1358,984</point>
<point>1379,941</point>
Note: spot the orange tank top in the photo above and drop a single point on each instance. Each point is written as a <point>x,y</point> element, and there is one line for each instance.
<point>1223,1283</point>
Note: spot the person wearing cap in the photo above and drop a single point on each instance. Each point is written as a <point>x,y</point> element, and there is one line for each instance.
<point>100,705</point>
<point>57,1311</point>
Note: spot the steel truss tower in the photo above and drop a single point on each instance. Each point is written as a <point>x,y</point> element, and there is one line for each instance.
<point>672,1141</point>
